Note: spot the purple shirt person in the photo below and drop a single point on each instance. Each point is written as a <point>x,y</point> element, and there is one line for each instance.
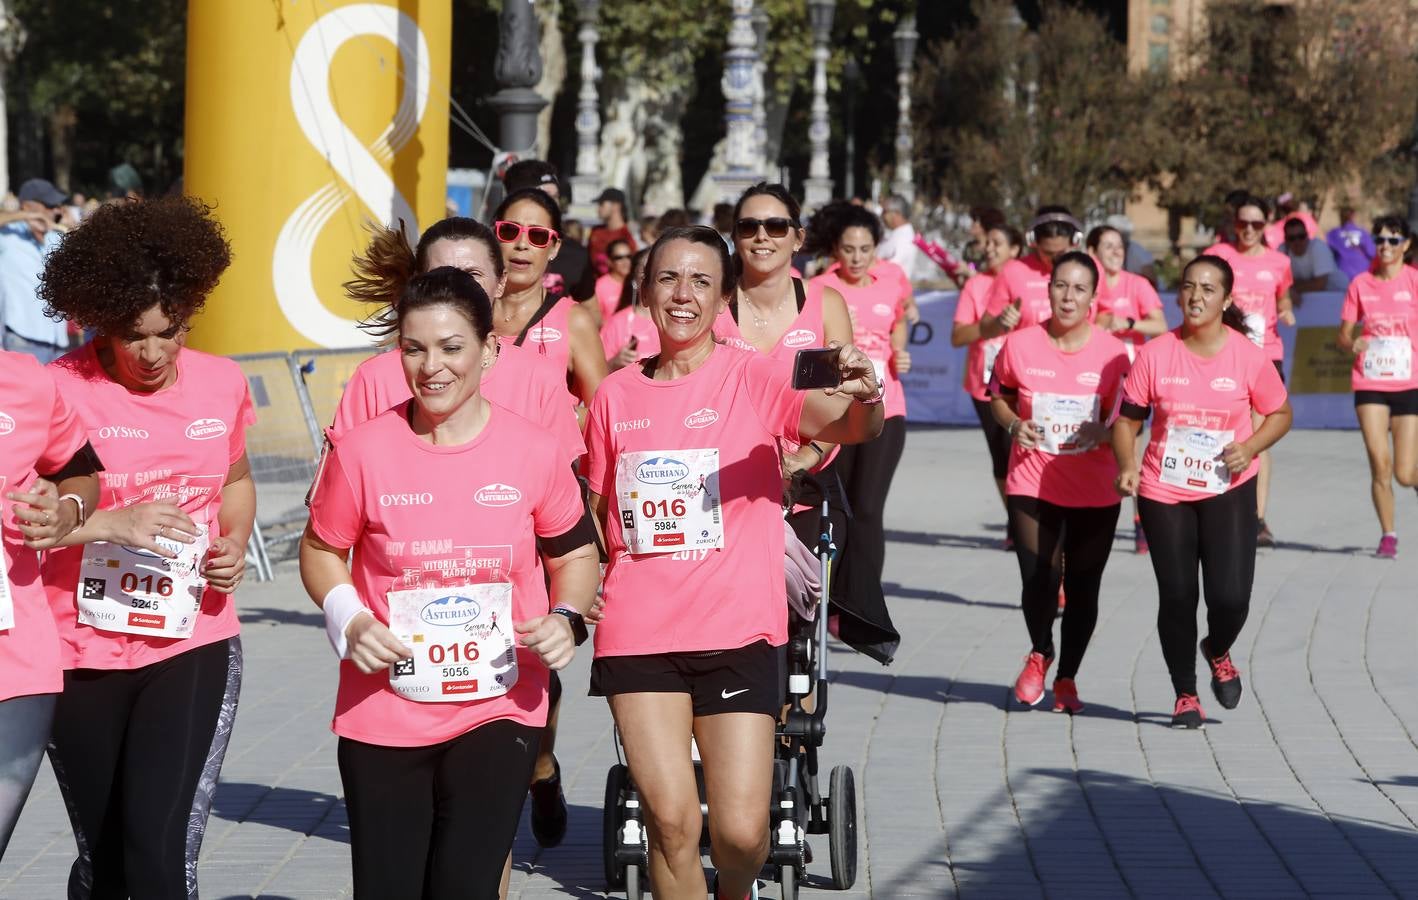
<point>1353,247</point>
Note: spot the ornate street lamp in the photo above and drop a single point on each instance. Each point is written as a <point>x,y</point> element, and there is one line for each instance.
<point>905,38</point>
<point>586,183</point>
<point>818,188</point>
<point>737,84</point>
<point>851,81</point>
<point>518,68</point>
<point>760,88</point>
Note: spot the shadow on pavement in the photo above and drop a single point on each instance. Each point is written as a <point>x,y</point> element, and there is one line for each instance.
<point>1097,834</point>
<point>925,687</point>
<point>892,589</point>
<point>268,616</point>
<point>294,809</point>
<point>1316,548</point>
<point>959,541</point>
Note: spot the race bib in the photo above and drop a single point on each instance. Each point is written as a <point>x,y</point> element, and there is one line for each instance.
<point>132,591</point>
<point>1060,416</point>
<point>1388,358</point>
<point>669,500</point>
<point>880,366</point>
<point>1255,328</point>
<point>992,349</point>
<point>462,640</point>
<point>1191,459</point>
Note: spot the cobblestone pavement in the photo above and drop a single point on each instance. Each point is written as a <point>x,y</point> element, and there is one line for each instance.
<point>1309,788</point>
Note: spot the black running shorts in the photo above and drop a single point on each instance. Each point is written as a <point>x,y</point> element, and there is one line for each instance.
<point>748,679</point>
<point>1399,403</point>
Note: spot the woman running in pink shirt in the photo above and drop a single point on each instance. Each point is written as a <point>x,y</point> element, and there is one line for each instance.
<point>685,477</point>
<point>1055,386</point>
<point>1203,385</point>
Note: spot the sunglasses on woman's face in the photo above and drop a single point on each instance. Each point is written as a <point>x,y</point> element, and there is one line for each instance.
<point>1392,240</point>
<point>620,257</point>
<point>775,227</point>
<point>538,236</point>
<point>1251,224</point>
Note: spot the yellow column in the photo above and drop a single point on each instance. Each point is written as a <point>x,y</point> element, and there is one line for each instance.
<point>306,119</point>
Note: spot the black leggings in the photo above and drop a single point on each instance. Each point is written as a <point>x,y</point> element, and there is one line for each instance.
<point>137,753</point>
<point>1045,535</point>
<point>996,438</point>
<point>866,471</point>
<point>436,822</point>
<point>1219,533</point>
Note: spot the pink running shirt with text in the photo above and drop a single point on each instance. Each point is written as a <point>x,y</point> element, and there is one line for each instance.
<point>1133,297</point>
<point>1261,280</point>
<point>624,324</point>
<point>875,308</point>
<point>969,309</point>
<point>1385,309</point>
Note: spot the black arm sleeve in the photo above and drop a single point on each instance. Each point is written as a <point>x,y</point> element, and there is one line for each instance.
<point>581,534</point>
<point>84,462</point>
<point>1133,411</point>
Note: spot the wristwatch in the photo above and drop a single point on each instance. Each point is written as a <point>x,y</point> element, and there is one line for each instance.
<point>578,623</point>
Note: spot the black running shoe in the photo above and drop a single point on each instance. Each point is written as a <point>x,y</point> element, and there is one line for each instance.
<point>1263,536</point>
<point>549,809</point>
<point>1225,680</point>
<point>1188,712</point>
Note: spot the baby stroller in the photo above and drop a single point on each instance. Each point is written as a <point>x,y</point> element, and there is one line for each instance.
<point>799,807</point>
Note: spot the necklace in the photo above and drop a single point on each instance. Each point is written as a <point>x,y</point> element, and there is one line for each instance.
<point>760,322</point>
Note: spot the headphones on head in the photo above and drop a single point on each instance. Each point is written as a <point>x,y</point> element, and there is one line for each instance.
<point>1049,218</point>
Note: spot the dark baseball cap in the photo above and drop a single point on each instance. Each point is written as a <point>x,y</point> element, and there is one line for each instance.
<point>529,173</point>
<point>614,195</point>
<point>41,191</point>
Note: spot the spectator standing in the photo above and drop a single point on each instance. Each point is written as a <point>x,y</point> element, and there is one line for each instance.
<point>570,273</point>
<point>26,239</point>
<point>610,206</point>
<point>1311,262</point>
<point>1352,246</point>
<point>899,243</point>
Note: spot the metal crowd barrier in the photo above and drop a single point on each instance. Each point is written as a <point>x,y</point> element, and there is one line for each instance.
<point>325,373</point>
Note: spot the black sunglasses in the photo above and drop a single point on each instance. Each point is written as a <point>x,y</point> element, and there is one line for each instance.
<point>1392,240</point>
<point>775,227</point>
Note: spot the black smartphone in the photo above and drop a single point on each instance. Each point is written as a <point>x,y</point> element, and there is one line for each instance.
<point>633,342</point>
<point>816,368</point>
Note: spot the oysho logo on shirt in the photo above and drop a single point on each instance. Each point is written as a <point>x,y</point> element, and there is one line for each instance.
<point>423,499</point>
<point>1224,385</point>
<point>1090,379</point>
<point>206,429</point>
<point>109,432</point>
<point>1174,379</point>
<point>661,470</point>
<point>7,424</point>
<point>497,494</point>
<point>544,334</point>
<point>701,418</point>
<point>630,425</point>
<point>799,337</point>
<point>1042,373</point>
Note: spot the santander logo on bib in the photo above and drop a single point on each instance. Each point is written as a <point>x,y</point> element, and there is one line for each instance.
<point>497,494</point>
<point>701,418</point>
<point>7,424</point>
<point>1224,385</point>
<point>1090,379</point>
<point>799,337</point>
<point>544,334</point>
<point>206,429</point>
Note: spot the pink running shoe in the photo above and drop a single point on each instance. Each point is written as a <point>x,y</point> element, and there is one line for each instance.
<point>1188,712</point>
<point>1029,686</point>
<point>1388,547</point>
<point>1063,601</point>
<point>1066,697</point>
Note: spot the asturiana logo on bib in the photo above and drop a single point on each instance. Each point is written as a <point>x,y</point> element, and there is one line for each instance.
<point>544,334</point>
<point>496,494</point>
<point>701,418</point>
<point>7,424</point>
<point>799,337</point>
<point>423,499</point>
<point>1225,385</point>
<point>454,609</point>
<point>661,470</point>
<point>109,432</point>
<point>1091,379</point>
<point>206,429</point>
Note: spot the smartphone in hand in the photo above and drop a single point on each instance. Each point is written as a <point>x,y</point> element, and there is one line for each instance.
<point>816,368</point>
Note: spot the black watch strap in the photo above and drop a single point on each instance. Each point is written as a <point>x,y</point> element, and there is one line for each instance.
<point>578,623</point>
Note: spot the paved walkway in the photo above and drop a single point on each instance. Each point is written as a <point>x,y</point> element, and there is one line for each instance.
<point>1309,788</point>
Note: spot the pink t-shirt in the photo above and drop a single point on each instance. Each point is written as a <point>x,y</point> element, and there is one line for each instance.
<point>1386,310</point>
<point>518,381</point>
<point>621,326</point>
<point>608,295</point>
<point>1189,391</point>
<point>39,432</point>
<point>1025,279</point>
<point>174,444</point>
<point>874,309</point>
<point>687,600</point>
<point>1133,297</point>
<point>1057,391</point>
<point>423,516</point>
<point>1261,280</point>
<point>981,356</point>
<point>550,338</point>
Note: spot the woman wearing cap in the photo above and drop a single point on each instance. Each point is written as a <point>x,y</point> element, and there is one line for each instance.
<point>1262,293</point>
<point>630,334</point>
<point>1202,384</point>
<point>528,226</point>
<point>1055,385</point>
<point>1385,389</point>
<point>47,486</point>
<point>151,644</point>
<point>441,617</point>
<point>1001,244</point>
<point>695,613</point>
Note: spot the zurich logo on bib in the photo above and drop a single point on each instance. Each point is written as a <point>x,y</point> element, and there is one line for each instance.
<point>661,470</point>
<point>451,610</point>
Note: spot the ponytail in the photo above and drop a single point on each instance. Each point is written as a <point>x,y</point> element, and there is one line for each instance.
<point>1232,317</point>
<point>380,276</point>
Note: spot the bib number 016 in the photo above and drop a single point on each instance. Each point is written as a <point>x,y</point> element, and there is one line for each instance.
<point>652,509</point>
<point>131,583</point>
<point>454,653</point>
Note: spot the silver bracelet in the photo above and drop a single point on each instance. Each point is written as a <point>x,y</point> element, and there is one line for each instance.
<point>79,502</point>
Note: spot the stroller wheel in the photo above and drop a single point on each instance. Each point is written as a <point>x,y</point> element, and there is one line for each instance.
<point>616,780</point>
<point>788,882</point>
<point>842,827</point>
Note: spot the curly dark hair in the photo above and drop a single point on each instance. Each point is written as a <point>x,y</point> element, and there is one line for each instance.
<point>128,256</point>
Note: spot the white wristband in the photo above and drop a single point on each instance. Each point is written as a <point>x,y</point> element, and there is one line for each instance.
<point>341,605</point>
